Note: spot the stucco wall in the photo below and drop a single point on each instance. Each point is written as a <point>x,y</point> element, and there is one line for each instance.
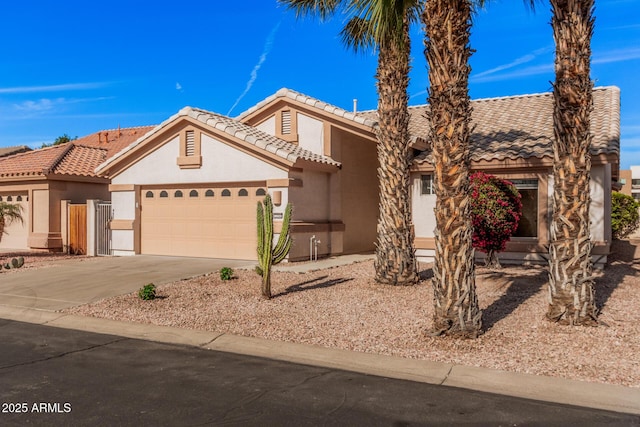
<point>220,163</point>
<point>310,133</point>
<point>358,184</point>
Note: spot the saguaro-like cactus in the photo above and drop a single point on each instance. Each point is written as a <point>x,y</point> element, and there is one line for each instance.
<point>268,254</point>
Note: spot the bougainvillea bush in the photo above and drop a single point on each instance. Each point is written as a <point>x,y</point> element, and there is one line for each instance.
<point>495,213</point>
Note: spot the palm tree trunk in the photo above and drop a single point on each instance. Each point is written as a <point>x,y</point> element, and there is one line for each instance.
<point>571,294</point>
<point>395,261</point>
<point>447,24</point>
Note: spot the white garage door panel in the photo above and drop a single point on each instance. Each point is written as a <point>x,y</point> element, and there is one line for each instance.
<point>217,227</point>
<point>16,233</point>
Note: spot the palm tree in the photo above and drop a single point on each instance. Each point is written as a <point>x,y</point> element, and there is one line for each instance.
<point>8,214</point>
<point>447,26</point>
<point>571,294</point>
<point>384,24</point>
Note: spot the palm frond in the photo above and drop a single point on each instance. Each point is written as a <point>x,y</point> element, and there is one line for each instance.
<point>323,9</point>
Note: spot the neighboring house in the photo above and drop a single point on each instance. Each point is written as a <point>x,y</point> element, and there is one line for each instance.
<point>624,183</point>
<point>40,180</point>
<point>635,182</point>
<point>8,151</point>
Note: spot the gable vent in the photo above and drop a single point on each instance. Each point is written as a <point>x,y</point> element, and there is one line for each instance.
<point>286,123</point>
<point>191,143</point>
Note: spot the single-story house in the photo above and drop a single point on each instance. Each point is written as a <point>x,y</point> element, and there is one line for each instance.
<point>190,185</point>
<point>41,180</point>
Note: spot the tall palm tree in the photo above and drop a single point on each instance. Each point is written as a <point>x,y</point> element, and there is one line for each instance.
<point>447,26</point>
<point>571,294</point>
<point>384,25</point>
<point>8,214</point>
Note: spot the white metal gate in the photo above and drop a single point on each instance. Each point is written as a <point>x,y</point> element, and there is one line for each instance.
<point>104,214</point>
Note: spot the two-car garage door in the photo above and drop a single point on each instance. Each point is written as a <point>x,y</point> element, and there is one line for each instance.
<point>216,222</point>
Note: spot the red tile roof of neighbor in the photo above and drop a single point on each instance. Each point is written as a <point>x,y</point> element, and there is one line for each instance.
<point>79,157</point>
<point>7,151</point>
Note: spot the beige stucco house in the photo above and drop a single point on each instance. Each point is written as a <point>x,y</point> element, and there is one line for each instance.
<point>189,186</point>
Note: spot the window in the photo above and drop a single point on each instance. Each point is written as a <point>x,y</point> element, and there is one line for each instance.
<point>635,182</point>
<point>9,199</point>
<point>260,192</point>
<point>149,195</point>
<point>0,198</point>
<point>226,193</point>
<point>164,194</point>
<point>426,184</point>
<point>19,198</point>
<point>528,226</point>
<point>208,193</point>
<point>178,193</point>
<point>193,193</point>
<point>243,192</point>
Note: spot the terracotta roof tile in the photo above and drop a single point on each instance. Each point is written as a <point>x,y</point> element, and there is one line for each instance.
<point>517,127</point>
<point>79,157</point>
<point>113,140</point>
<point>31,163</point>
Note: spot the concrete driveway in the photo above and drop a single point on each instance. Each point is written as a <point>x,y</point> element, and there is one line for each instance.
<point>76,282</point>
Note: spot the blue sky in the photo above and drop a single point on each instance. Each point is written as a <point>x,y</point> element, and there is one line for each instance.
<point>77,67</point>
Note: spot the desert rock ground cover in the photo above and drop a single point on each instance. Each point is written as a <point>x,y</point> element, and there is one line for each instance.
<point>343,308</point>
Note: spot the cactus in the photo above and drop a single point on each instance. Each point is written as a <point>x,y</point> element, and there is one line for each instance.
<point>269,255</point>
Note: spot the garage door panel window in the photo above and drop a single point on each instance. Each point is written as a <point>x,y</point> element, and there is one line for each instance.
<point>149,195</point>
<point>164,194</point>
<point>243,193</point>
<point>261,192</point>
<point>209,193</point>
<point>226,193</point>
<point>193,193</point>
<point>177,194</point>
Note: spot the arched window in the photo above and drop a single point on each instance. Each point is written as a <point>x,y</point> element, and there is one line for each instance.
<point>178,193</point>
<point>226,193</point>
<point>9,198</point>
<point>261,192</point>
<point>164,194</point>
<point>208,193</point>
<point>19,198</point>
<point>149,195</point>
<point>243,192</point>
<point>193,193</point>
<point>0,198</point>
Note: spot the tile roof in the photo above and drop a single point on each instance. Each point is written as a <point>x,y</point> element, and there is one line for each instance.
<point>237,129</point>
<point>7,151</point>
<point>520,127</point>
<point>79,157</point>
<point>114,140</point>
<point>312,102</point>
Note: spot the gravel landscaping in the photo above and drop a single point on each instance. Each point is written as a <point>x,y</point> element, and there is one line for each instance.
<point>343,308</point>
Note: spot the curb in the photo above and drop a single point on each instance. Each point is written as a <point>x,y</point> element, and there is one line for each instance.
<point>549,389</point>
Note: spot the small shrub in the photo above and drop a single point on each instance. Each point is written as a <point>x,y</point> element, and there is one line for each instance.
<point>226,273</point>
<point>147,292</point>
<point>624,215</point>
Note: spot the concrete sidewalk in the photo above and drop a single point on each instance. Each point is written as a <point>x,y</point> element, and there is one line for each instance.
<point>35,296</point>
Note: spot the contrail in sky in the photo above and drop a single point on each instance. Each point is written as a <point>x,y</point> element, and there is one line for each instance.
<point>254,73</point>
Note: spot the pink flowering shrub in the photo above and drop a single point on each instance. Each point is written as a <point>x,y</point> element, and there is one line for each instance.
<point>495,213</point>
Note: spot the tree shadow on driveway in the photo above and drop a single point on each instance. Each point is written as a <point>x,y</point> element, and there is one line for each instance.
<point>311,285</point>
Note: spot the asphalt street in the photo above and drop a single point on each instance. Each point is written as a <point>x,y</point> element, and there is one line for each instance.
<point>53,376</point>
